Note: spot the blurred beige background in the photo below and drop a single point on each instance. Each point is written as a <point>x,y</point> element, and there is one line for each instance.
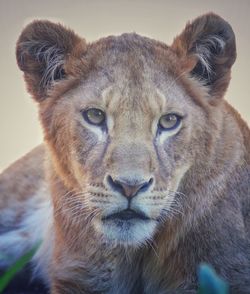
<point>160,19</point>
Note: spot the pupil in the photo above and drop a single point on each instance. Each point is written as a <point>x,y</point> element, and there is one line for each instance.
<point>94,113</point>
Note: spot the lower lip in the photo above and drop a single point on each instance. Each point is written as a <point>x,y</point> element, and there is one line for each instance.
<point>126,217</point>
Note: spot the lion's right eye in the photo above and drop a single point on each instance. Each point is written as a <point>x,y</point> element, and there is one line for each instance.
<point>94,116</point>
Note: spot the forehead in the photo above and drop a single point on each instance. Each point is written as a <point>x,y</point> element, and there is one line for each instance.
<point>134,72</point>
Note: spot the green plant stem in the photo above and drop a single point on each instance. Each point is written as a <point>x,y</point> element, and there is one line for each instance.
<point>16,267</point>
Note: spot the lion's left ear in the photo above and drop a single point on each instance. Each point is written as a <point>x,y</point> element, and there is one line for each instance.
<point>207,50</point>
<point>47,52</point>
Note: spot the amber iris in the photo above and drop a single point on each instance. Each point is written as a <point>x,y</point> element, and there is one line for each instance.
<point>169,121</point>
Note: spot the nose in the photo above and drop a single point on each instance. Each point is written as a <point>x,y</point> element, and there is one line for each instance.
<point>129,187</point>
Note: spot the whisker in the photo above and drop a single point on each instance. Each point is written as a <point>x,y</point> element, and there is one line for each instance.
<point>152,245</point>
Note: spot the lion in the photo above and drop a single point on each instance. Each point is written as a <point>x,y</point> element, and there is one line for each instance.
<point>145,168</point>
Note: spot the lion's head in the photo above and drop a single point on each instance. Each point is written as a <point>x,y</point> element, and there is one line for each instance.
<point>127,118</point>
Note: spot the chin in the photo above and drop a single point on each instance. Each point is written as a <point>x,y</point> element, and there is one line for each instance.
<point>126,232</point>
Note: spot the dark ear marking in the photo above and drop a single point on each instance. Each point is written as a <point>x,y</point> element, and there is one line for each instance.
<point>210,41</point>
<point>43,52</point>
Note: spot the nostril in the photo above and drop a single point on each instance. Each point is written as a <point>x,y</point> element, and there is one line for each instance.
<point>129,188</point>
<point>145,186</point>
<point>115,184</point>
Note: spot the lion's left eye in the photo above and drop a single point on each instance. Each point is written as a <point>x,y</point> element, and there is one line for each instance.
<point>94,116</point>
<point>169,121</point>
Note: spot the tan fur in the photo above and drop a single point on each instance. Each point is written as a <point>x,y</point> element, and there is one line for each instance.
<point>198,200</point>
<point>25,172</point>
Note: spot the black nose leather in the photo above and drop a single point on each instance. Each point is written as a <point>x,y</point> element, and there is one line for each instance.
<point>129,188</point>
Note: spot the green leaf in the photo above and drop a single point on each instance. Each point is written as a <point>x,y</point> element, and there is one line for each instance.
<point>16,267</point>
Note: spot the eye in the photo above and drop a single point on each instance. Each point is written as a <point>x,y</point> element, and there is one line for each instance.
<point>94,116</point>
<point>169,121</point>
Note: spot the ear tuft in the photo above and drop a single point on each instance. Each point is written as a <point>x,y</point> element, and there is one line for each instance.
<point>205,51</point>
<point>42,51</point>
<point>209,40</point>
<point>47,55</point>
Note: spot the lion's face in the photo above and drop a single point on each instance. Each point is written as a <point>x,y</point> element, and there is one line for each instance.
<point>123,133</point>
<point>131,139</point>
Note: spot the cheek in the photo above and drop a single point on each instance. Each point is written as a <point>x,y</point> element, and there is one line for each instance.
<point>173,156</point>
<point>84,144</point>
<point>180,148</point>
<point>88,153</point>
<point>174,151</point>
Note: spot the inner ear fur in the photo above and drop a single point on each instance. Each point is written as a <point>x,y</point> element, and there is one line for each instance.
<point>207,50</point>
<point>47,52</point>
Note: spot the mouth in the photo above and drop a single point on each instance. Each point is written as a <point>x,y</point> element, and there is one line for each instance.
<point>127,214</point>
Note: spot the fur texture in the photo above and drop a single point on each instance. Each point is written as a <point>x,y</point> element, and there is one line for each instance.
<point>196,200</point>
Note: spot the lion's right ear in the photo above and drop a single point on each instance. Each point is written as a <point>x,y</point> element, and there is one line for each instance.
<point>44,51</point>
